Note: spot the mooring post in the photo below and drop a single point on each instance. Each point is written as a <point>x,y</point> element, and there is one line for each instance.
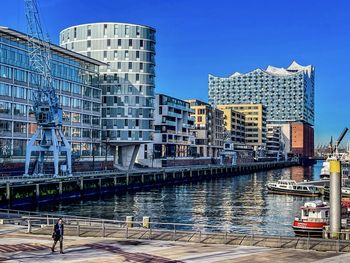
<point>8,192</point>
<point>60,188</point>
<point>335,198</point>
<point>37,190</point>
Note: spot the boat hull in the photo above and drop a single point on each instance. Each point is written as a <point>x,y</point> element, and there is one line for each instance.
<point>308,229</point>
<point>291,192</point>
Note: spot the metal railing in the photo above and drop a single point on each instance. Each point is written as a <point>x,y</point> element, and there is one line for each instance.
<point>42,223</point>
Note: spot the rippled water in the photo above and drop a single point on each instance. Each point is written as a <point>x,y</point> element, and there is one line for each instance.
<point>240,202</point>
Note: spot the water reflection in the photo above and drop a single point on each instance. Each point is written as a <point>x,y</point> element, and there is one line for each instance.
<point>240,203</point>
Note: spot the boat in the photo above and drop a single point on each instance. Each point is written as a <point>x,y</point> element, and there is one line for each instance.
<point>290,187</point>
<point>345,191</point>
<point>314,216</point>
<point>325,172</point>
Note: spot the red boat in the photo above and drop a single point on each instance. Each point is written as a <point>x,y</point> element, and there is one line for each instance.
<point>314,216</point>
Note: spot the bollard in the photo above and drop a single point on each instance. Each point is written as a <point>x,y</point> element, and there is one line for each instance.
<point>335,198</point>
<point>129,221</point>
<point>146,222</point>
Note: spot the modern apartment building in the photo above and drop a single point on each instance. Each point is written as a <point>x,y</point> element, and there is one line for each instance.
<point>255,122</point>
<point>234,122</point>
<point>208,129</point>
<point>75,78</point>
<point>274,145</point>
<point>287,93</point>
<point>127,81</point>
<point>172,137</point>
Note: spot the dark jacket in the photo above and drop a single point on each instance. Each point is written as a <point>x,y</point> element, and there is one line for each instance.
<point>57,232</point>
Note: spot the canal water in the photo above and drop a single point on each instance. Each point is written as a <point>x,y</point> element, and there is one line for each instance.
<point>241,203</point>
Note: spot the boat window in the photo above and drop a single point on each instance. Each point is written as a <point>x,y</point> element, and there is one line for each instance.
<point>306,212</point>
<point>327,213</point>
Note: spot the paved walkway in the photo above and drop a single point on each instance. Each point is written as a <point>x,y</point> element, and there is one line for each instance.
<point>17,246</point>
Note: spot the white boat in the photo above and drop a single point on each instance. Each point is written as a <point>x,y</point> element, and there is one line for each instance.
<point>290,187</point>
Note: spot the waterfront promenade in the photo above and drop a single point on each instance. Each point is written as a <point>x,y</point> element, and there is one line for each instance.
<point>18,246</point>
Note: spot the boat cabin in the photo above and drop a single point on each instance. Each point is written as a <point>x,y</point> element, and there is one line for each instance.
<point>316,211</point>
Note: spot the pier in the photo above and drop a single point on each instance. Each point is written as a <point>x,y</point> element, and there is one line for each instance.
<point>28,190</point>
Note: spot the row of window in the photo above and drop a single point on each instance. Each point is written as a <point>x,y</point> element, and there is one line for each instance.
<point>108,29</point>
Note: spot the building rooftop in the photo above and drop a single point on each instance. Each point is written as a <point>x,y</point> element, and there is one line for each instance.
<point>292,69</point>
<point>5,31</point>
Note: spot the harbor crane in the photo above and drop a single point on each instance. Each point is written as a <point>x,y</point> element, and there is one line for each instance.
<point>48,140</point>
<point>337,143</point>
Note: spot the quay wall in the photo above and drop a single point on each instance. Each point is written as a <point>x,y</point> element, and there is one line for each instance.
<point>27,191</point>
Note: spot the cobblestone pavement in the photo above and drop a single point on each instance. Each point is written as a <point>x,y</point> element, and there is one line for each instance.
<point>17,246</point>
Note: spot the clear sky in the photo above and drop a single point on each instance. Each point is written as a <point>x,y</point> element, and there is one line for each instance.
<point>197,37</point>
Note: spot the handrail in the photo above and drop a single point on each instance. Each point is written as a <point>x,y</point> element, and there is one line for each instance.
<point>194,227</point>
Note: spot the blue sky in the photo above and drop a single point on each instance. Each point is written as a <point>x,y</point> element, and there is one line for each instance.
<point>197,37</point>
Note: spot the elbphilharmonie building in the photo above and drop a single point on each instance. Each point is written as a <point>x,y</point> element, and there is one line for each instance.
<point>288,94</point>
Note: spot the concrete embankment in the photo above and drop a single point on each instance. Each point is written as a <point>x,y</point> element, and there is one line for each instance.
<point>22,191</point>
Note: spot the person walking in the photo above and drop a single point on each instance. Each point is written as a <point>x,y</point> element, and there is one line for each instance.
<point>57,235</point>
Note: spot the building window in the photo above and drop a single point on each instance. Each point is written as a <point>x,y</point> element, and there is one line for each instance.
<point>115,54</point>
<point>75,32</point>
<point>137,54</point>
<point>141,66</point>
<point>119,42</point>
<point>126,54</point>
<point>137,77</point>
<point>88,54</point>
<point>137,31</point>
<point>89,31</point>
<point>105,29</point>
<point>108,42</point>
<point>126,30</point>
<point>130,65</point>
<point>130,42</point>
<point>141,43</point>
<point>105,54</point>
<point>89,43</point>
<point>115,30</point>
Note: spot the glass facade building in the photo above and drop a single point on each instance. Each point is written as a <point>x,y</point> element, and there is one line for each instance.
<point>75,78</point>
<point>127,81</point>
<point>288,94</point>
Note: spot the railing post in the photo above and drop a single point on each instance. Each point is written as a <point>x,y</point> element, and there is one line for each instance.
<point>78,228</point>
<point>29,231</point>
<point>103,229</point>
<point>150,231</point>
<point>126,232</point>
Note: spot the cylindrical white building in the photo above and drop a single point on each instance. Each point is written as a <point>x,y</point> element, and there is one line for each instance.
<point>127,82</point>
